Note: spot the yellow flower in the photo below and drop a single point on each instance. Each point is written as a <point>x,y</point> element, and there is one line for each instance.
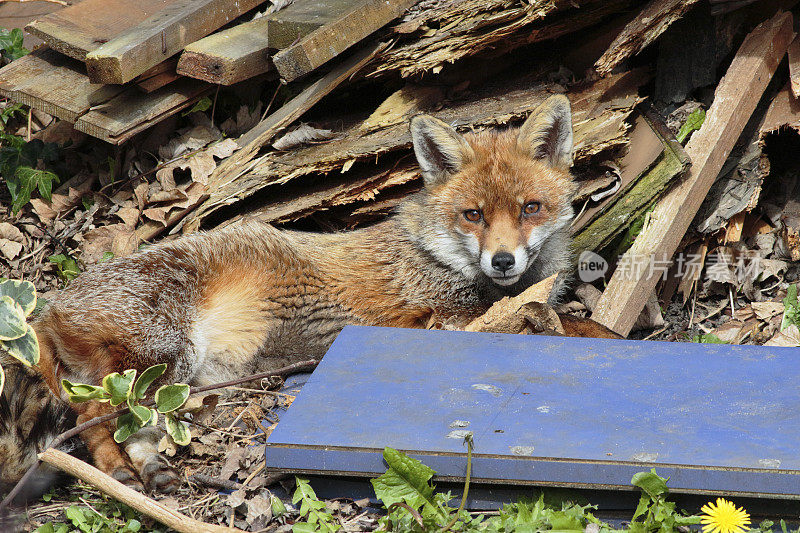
<point>724,517</point>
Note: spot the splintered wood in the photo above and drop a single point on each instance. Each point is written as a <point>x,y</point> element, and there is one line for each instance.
<point>651,22</point>
<point>735,99</point>
<point>600,111</point>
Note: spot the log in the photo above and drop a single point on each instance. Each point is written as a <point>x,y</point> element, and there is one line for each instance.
<point>361,19</point>
<point>651,22</point>
<point>160,36</point>
<point>138,501</point>
<point>735,100</point>
<point>243,51</point>
<point>84,27</point>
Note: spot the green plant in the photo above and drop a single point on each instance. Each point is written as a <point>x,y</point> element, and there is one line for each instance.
<point>791,313</point>
<point>656,512</point>
<point>315,513</point>
<point>17,338</point>
<point>203,104</point>
<point>24,167</point>
<point>67,267</point>
<point>104,516</point>
<point>11,47</point>
<point>118,389</point>
<point>693,123</point>
<point>708,338</point>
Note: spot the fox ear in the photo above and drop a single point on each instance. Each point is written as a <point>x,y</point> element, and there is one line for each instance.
<point>547,134</point>
<point>440,150</point>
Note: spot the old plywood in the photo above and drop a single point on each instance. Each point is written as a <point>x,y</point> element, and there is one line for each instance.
<point>734,101</point>
<point>355,21</point>
<point>243,51</point>
<point>548,411</point>
<point>160,36</point>
<point>85,26</point>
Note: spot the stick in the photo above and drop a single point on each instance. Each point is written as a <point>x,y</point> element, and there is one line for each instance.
<point>133,498</point>
<point>735,100</point>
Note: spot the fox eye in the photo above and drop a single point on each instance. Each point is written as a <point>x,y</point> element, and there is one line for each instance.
<point>473,215</point>
<point>531,208</point>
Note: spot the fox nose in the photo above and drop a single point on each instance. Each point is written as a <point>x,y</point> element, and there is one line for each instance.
<point>502,261</point>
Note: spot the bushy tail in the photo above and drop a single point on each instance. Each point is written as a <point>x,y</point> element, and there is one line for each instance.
<point>30,417</point>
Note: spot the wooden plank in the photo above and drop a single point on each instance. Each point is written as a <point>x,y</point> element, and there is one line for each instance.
<point>53,83</point>
<point>84,27</point>
<point>651,22</point>
<point>56,84</point>
<point>133,111</point>
<point>241,52</point>
<point>794,66</point>
<point>734,101</point>
<point>158,76</point>
<point>161,36</point>
<point>323,44</point>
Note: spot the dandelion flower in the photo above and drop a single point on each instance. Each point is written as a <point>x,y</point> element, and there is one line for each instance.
<point>724,517</point>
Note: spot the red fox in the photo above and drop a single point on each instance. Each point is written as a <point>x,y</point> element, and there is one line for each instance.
<point>492,219</point>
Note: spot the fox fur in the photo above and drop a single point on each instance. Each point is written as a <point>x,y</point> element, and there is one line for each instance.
<point>492,219</point>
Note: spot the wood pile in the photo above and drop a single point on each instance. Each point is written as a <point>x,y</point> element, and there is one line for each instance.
<point>357,70</point>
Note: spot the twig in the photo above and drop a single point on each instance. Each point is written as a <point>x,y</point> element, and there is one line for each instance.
<point>254,473</point>
<point>133,498</point>
<point>59,2</point>
<point>63,437</point>
<point>215,482</point>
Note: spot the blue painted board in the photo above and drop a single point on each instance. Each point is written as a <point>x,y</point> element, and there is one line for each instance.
<point>550,410</point>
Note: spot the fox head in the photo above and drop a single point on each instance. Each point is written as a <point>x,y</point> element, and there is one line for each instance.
<point>497,202</point>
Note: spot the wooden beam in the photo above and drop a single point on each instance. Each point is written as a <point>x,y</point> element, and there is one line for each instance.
<point>160,36</point>
<point>323,44</point>
<point>84,27</point>
<point>241,52</point>
<point>735,100</point>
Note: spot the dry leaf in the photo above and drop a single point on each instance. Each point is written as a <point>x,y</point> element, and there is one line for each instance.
<point>303,134</point>
<point>129,215</point>
<point>767,310</point>
<point>97,241</point>
<point>789,337</point>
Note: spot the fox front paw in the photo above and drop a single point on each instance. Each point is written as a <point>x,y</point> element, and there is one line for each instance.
<point>127,477</point>
<point>159,477</point>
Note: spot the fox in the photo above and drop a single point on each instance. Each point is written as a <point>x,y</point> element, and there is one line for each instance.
<point>491,219</point>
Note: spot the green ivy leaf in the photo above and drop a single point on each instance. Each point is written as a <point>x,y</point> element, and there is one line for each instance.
<point>127,425</point>
<point>25,348</point>
<point>12,319</point>
<point>170,397</point>
<point>81,392</point>
<point>177,429</point>
<point>147,377</point>
<point>22,292</point>
<point>119,386</point>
